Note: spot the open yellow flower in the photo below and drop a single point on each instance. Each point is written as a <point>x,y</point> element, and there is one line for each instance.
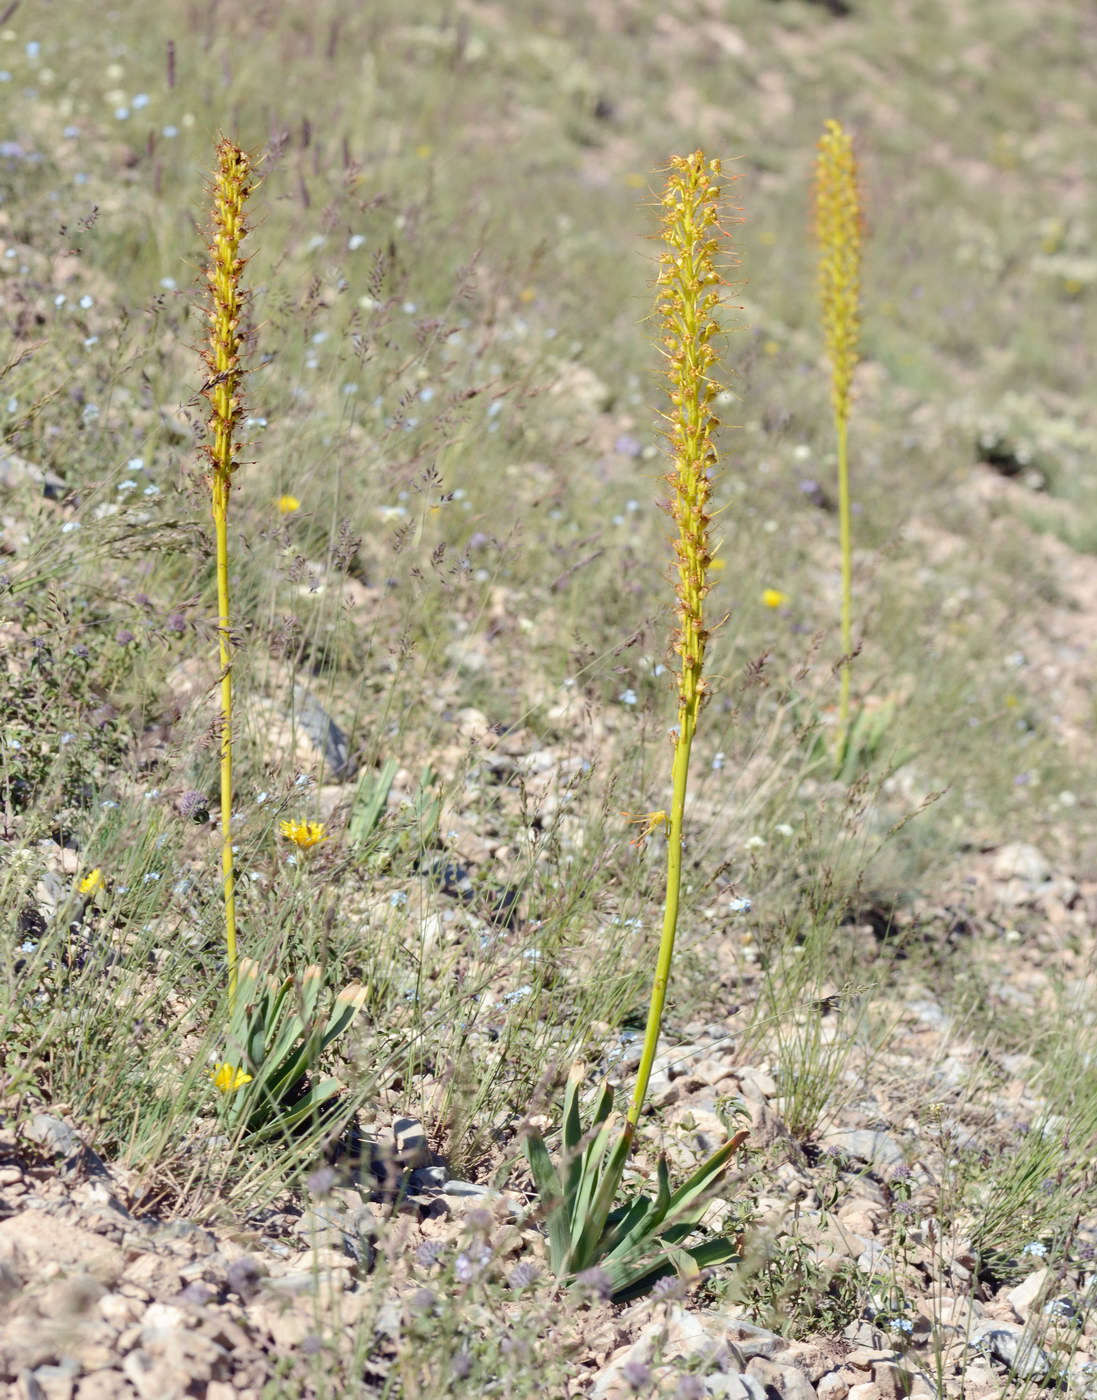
<point>91,882</point>
<point>304,835</point>
<point>774,598</point>
<point>288,504</point>
<point>228,1078</point>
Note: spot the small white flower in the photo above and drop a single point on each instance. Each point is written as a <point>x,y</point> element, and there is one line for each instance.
<point>141,100</point>
<point>87,302</point>
<point>739,906</point>
<point>627,697</point>
<point>398,898</point>
<point>355,241</point>
<point>170,132</point>
<point>70,525</point>
<point>1036,1248</point>
<point>718,762</point>
<point>754,843</point>
<point>518,994</point>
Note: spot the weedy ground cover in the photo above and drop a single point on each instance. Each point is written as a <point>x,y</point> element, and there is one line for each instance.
<point>449,660</point>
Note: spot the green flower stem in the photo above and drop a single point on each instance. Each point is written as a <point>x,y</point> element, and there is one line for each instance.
<point>845,539</point>
<point>680,776</point>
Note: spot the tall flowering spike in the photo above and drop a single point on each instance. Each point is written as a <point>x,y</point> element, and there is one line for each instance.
<point>232,184</point>
<point>689,296</point>
<point>838,221</point>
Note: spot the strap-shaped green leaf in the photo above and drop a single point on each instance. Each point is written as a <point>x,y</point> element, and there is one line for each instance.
<point>587,1248</point>
<point>631,1227</point>
<point>343,1012</point>
<point>286,1120</point>
<point>706,1174</point>
<point>551,1195</point>
<point>590,1186</point>
<point>572,1151</point>
<point>370,797</point>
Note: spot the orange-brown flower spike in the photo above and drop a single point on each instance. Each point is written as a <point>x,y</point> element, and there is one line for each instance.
<point>838,221</point>
<point>689,295</point>
<point>232,184</point>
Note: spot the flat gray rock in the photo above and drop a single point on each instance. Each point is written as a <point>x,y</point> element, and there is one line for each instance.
<point>869,1145</point>
<point>17,471</point>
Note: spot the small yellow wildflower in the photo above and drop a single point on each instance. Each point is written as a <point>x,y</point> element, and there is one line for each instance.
<point>304,835</point>
<point>774,598</point>
<point>91,882</point>
<point>288,504</point>
<point>228,1078</point>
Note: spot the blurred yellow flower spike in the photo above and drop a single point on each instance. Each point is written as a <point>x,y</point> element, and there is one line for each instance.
<point>91,882</point>
<point>288,504</point>
<point>304,835</point>
<point>774,598</point>
<point>228,1078</point>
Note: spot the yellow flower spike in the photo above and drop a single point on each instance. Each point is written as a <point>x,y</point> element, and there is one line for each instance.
<point>287,504</point>
<point>228,1078</point>
<point>304,835</point>
<point>688,300</point>
<point>774,598</point>
<point>232,184</point>
<point>91,882</point>
<point>838,222</point>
